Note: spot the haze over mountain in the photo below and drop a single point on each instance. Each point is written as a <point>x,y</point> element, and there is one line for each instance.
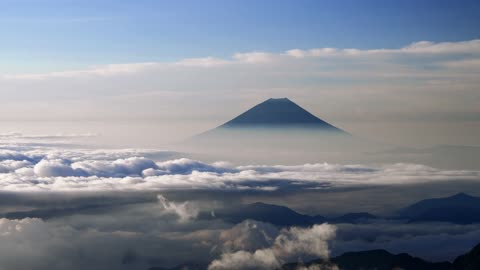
<point>280,126</point>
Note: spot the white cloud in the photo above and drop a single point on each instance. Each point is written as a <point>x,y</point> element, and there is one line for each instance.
<point>7,166</point>
<point>59,169</point>
<point>249,236</point>
<point>289,244</point>
<point>54,168</point>
<point>132,166</point>
<point>202,62</point>
<point>185,211</point>
<point>471,46</point>
<point>255,57</point>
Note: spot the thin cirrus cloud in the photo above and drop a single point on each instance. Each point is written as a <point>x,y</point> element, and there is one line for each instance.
<point>417,49</point>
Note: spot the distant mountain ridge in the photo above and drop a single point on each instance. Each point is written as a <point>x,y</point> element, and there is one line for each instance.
<point>278,112</point>
<point>378,259</point>
<point>282,215</point>
<point>460,208</point>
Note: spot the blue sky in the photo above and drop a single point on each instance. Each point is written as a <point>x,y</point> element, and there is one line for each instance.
<point>45,35</point>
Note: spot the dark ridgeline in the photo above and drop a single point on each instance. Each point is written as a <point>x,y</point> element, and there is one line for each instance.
<point>469,261</point>
<point>281,113</point>
<point>281,215</point>
<point>460,209</point>
<point>380,259</point>
<point>273,214</point>
<point>377,259</point>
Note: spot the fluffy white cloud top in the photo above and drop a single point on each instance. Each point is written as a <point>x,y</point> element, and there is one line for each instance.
<point>289,244</point>
<point>66,169</point>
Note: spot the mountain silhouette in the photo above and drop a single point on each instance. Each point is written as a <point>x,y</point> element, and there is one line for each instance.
<point>377,259</point>
<point>469,261</point>
<point>274,214</point>
<point>281,215</point>
<point>278,131</point>
<point>278,112</point>
<point>460,208</point>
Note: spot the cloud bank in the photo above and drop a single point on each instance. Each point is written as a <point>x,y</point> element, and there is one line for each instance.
<point>57,169</point>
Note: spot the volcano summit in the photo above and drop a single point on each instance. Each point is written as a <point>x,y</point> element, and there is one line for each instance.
<point>276,126</point>
<point>279,113</point>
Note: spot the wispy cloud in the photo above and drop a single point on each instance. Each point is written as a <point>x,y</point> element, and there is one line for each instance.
<point>417,49</point>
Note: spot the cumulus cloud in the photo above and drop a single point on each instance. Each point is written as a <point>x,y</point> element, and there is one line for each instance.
<point>55,167</point>
<point>9,165</point>
<point>248,236</point>
<point>13,155</point>
<point>289,244</point>
<point>133,166</point>
<point>185,211</point>
<point>59,169</point>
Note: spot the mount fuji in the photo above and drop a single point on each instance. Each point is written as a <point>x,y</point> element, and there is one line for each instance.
<point>279,113</point>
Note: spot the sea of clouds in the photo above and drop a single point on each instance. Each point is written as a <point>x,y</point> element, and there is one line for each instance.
<point>75,207</point>
<point>29,167</point>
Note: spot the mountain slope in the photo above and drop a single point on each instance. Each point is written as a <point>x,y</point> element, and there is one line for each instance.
<point>469,261</point>
<point>281,215</point>
<point>374,260</point>
<point>279,112</point>
<point>274,214</point>
<point>377,259</point>
<point>460,208</point>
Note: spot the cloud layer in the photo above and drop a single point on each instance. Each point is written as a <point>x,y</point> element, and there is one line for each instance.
<point>29,168</point>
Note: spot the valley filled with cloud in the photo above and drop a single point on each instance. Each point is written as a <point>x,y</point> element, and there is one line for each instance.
<point>62,205</point>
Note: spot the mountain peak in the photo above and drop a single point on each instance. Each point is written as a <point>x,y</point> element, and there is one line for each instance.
<point>278,100</point>
<point>278,112</point>
<point>461,195</point>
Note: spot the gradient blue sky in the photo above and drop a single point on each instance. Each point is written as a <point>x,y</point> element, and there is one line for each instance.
<point>46,35</point>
